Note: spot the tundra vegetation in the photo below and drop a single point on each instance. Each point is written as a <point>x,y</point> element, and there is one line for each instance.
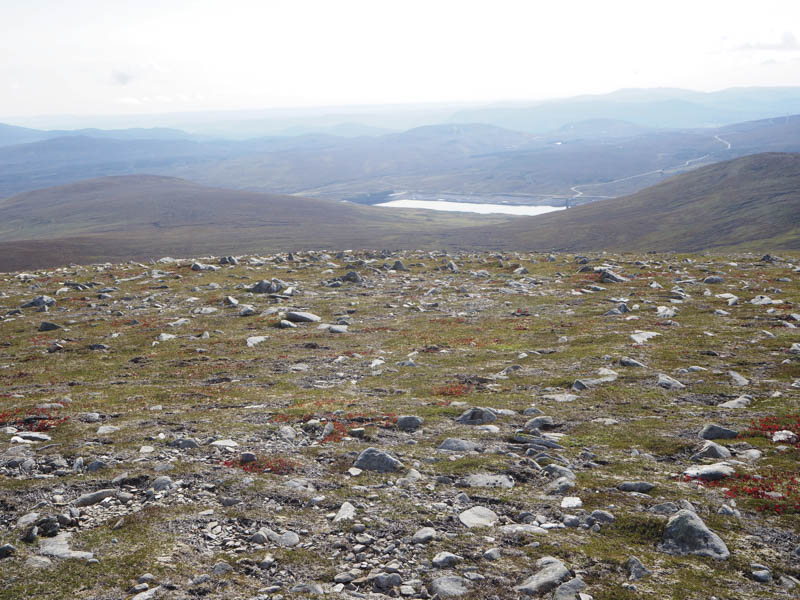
<point>402,424</point>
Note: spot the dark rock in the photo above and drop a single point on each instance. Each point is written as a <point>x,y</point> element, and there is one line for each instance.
<point>717,432</point>
<point>373,459</point>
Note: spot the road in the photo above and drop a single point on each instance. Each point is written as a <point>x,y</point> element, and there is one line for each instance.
<point>578,193</point>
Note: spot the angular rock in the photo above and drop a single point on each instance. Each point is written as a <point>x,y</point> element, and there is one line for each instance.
<point>717,432</point>
<point>373,459</point>
<point>711,450</point>
<point>445,560</point>
<point>424,535</point>
<point>636,570</point>
<point>686,533</point>
<point>551,572</point>
<point>94,497</point>
<point>477,416</point>
<point>570,590</point>
<point>668,383</point>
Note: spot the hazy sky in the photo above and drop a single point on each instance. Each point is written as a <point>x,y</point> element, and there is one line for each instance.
<point>143,56</point>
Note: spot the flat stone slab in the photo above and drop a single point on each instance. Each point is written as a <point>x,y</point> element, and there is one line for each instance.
<point>302,317</point>
<point>516,529</point>
<point>58,547</point>
<point>487,480</point>
<point>478,516</point>
<point>640,337</point>
<point>711,472</point>
<point>449,586</point>
<point>94,497</point>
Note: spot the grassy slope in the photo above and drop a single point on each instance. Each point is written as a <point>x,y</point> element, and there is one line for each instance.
<point>751,203</point>
<point>748,203</point>
<point>137,217</point>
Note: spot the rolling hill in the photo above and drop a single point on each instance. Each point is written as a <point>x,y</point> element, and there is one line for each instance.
<point>146,216</point>
<point>749,203</point>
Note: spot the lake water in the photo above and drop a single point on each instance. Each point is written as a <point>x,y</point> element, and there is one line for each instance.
<point>484,209</point>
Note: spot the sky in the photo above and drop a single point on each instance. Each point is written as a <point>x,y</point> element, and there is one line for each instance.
<point>112,57</point>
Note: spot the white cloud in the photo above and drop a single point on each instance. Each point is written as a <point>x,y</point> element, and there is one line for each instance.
<point>787,43</point>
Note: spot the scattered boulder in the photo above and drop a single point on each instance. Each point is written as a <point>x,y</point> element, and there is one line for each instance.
<point>302,317</point>
<point>717,432</point>
<point>477,416</point>
<point>686,533</point>
<point>550,573</point>
<point>373,459</point>
<point>478,516</point>
<point>713,472</point>
<point>457,445</point>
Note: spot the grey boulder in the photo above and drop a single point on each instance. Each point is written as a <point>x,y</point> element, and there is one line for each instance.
<point>635,486</point>
<point>711,450</point>
<point>686,533</point>
<point>302,317</point>
<point>717,432</point>
<point>39,301</point>
<point>373,459</point>
<point>94,497</point>
<point>636,570</point>
<point>487,481</point>
<point>551,572</point>
<point>713,472</point>
<point>457,445</point>
<point>409,422</point>
<point>477,416</point>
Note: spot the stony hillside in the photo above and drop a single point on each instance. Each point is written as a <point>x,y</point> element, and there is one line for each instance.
<point>413,425</point>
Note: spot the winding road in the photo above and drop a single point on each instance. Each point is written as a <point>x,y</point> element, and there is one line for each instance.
<point>578,193</point>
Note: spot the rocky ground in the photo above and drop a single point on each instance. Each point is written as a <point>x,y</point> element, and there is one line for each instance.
<point>370,425</point>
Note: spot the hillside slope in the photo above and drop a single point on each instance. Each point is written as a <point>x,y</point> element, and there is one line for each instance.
<point>751,202</point>
<point>143,216</point>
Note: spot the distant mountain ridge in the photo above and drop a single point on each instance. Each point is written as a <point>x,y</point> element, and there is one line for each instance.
<point>576,160</point>
<point>656,108</point>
